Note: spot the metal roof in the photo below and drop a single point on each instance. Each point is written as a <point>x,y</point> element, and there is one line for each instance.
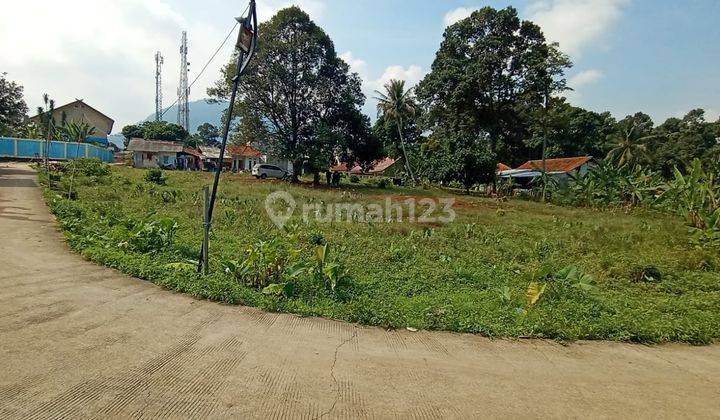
<point>154,146</point>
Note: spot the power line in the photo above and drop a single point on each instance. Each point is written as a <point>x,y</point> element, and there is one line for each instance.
<point>206,64</point>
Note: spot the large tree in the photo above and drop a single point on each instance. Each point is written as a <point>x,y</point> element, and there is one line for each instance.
<point>296,90</point>
<point>570,131</point>
<point>13,109</point>
<point>680,140</point>
<point>209,134</point>
<point>455,156</point>
<point>491,72</point>
<point>155,130</point>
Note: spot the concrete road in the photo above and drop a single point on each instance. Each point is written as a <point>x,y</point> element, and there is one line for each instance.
<point>82,341</point>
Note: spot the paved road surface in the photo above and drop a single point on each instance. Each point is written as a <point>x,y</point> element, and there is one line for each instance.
<point>78,340</point>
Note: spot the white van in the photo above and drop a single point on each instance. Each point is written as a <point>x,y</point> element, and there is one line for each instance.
<point>263,171</point>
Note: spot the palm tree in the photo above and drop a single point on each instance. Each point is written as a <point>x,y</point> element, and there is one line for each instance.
<point>395,105</point>
<point>629,147</point>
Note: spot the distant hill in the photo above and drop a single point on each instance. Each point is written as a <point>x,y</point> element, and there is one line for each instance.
<point>200,112</point>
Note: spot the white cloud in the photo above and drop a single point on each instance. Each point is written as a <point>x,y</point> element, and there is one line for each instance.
<point>712,114</point>
<point>578,81</point>
<point>356,65</point>
<point>412,75</point>
<point>575,24</point>
<point>584,78</point>
<point>314,8</point>
<point>456,15</point>
<point>103,50</point>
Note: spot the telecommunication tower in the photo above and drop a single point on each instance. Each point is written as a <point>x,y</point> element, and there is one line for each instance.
<point>158,86</point>
<point>183,88</point>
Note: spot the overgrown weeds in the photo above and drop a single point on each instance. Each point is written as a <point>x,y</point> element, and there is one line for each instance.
<point>593,268</point>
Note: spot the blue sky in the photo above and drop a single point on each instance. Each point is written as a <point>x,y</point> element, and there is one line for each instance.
<point>657,56</point>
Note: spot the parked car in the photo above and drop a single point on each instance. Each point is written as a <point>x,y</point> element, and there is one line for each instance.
<point>263,171</point>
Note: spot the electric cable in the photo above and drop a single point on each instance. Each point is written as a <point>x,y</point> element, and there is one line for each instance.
<point>206,64</point>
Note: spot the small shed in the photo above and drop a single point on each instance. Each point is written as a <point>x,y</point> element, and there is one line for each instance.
<point>154,153</point>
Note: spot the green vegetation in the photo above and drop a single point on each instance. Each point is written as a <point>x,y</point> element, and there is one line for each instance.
<point>12,106</point>
<point>694,195</point>
<point>155,130</point>
<point>502,268</point>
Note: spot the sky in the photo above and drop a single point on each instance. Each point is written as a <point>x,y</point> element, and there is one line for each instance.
<point>661,57</point>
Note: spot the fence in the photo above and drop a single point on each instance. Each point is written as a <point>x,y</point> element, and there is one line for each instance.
<point>59,150</point>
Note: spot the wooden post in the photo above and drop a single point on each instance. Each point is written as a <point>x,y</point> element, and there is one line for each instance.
<point>206,228</point>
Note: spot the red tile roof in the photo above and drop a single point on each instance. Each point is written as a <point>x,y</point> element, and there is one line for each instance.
<point>502,167</point>
<point>244,151</point>
<point>378,167</point>
<point>556,165</point>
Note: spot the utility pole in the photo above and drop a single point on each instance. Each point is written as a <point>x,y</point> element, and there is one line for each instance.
<point>245,47</point>
<point>544,147</point>
<point>158,86</point>
<point>183,118</point>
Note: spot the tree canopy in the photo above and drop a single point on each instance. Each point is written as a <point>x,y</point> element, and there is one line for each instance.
<point>489,78</point>
<point>209,134</point>
<point>298,92</point>
<point>13,109</point>
<point>155,130</point>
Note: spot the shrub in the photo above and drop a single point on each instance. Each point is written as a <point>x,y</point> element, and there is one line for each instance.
<point>151,236</point>
<point>87,167</point>
<point>155,176</point>
<point>354,179</point>
<point>267,262</point>
<point>380,182</point>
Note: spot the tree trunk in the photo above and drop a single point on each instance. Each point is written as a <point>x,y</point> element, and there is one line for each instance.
<point>405,156</point>
<point>316,179</point>
<point>297,167</point>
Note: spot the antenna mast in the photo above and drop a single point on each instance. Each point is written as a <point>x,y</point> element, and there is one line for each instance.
<point>183,88</point>
<point>158,86</point>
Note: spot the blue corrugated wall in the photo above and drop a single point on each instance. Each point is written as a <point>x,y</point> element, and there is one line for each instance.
<point>59,150</point>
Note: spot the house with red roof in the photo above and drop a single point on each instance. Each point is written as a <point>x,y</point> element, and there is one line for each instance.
<point>244,157</point>
<point>381,167</point>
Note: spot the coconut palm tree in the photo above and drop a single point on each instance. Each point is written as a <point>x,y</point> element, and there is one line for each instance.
<point>396,104</point>
<point>629,147</point>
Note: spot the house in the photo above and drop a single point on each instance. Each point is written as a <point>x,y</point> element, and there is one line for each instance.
<point>154,153</point>
<point>190,159</point>
<point>383,167</point>
<point>211,157</point>
<point>79,111</point>
<point>244,157</point>
<point>560,169</point>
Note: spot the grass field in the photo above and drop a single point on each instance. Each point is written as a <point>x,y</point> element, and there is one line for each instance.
<point>472,275</point>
